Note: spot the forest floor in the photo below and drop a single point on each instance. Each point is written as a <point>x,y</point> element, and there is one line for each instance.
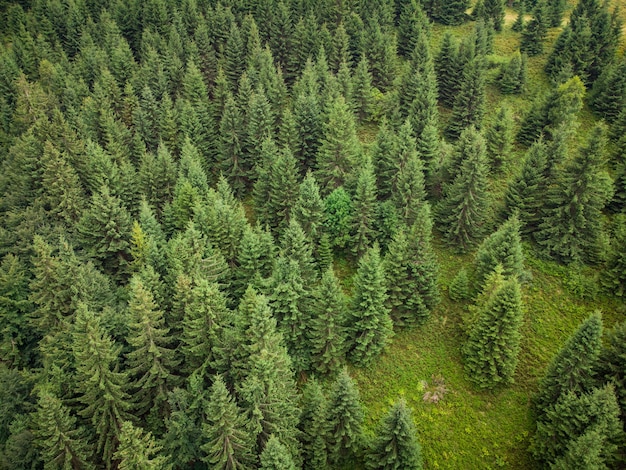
<point>461,427</point>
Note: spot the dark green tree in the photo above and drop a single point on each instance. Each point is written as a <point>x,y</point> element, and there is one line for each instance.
<point>493,344</point>
<point>313,426</point>
<point>365,209</point>
<point>469,104</point>
<point>448,12</point>
<point>459,288</point>
<point>296,246</point>
<point>344,419</point>
<point>63,444</point>
<point>396,445</point>
<point>607,94</point>
<point>338,209</point>
<point>513,75</point>
<point>232,163</point>
<point>534,34</point>
<point>362,90</point>
<point>408,191</point>
<point>139,451</point>
<point>411,23</point>
<point>572,369</point>
<point>518,25</point>
<point>572,225</point>
<point>384,156</point>
<point>276,456</point>
<point>227,441</point>
<point>370,327</point>
<point>326,333</point>
<point>499,138</point>
<point>555,12</point>
<point>101,387</point>
<point>504,248</point>
<point>448,70</point>
<point>309,208</point>
<point>613,276</point>
<point>309,128</point>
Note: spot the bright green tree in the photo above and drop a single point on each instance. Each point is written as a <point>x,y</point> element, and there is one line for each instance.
<point>396,445</point>
<point>370,327</point>
<point>309,208</point>
<point>139,451</point>
<point>469,104</point>
<point>499,137</point>
<point>365,209</point>
<point>313,425</point>
<point>534,34</point>
<point>276,456</point>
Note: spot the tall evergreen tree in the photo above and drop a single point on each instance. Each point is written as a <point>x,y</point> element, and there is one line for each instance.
<point>63,444</point>
<point>139,451</point>
<point>227,441</point>
<point>362,90</point>
<point>396,445</point>
<point>340,149</point>
<point>276,456</point>
<point>499,137</point>
<point>232,163</point>
<point>572,225</point>
<point>344,419</point>
<point>326,333</point>
<point>365,209</point>
<point>534,34</point>
<point>493,343</point>
<point>371,328</point>
<point>313,426</point>
<point>613,276</point>
<point>611,361</point>
<point>309,208</point>
<point>101,388</point>
<point>571,370</point>
<point>447,68</point>
<point>513,75</point>
<point>469,104</point>
<point>448,12</point>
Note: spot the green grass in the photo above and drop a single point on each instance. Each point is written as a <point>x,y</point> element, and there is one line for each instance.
<point>471,428</point>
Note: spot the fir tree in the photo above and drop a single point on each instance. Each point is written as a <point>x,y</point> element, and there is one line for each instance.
<point>513,75</point>
<point>607,95</point>
<point>309,128</point>
<point>504,248</point>
<point>297,247</point>
<point>571,227</point>
<point>614,274</point>
<point>534,34</point>
<point>309,208</point>
<point>276,456</point>
<point>494,11</point>
<point>151,360</point>
<point>344,419</point>
<point>518,25</point>
<point>139,451</point>
<point>396,445</point>
<point>340,148</point>
<point>232,163</point>
<point>571,370</point>
<point>227,442</point>
<point>462,211</point>
<point>446,66</point>
<point>255,259</point>
<point>365,209</point>
<point>408,190</point>
<point>326,334</point>
<point>449,12</point>
<point>555,12</point>
<point>469,104</point>
<point>63,444</point>
<point>362,90</point>
<point>459,289</point>
<point>101,388</point>
<point>313,425</point>
<point>282,189</point>
<point>370,328</point>
<point>611,362</point>
<point>499,137</point>
<point>411,23</point>
<point>493,343</point>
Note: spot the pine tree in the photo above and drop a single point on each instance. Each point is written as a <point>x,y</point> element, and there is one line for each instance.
<point>151,360</point>
<point>309,208</point>
<point>276,456</point>
<point>571,227</point>
<point>504,248</point>
<point>613,276</point>
<point>232,163</point>
<point>309,128</point>
<point>227,442</point>
<point>449,12</point>
<point>344,419</point>
<point>447,68</point>
<point>411,23</point>
<point>459,289</point>
<point>326,334</point>
<point>63,444</point>
<point>396,445</point>
<point>518,25</point>
<point>384,154</point>
<point>297,247</point>
<point>493,343</point>
<point>494,11</point>
<point>282,189</point>
<point>340,148</point>
<point>583,452</point>
<point>512,75</point>
<point>534,34</point>
<point>555,12</point>
<point>571,417</point>
<point>571,370</point>
<point>469,104</point>
<point>362,90</point>
<point>105,230</point>
<point>101,388</point>
<point>139,451</point>
<point>255,259</point>
<point>381,51</point>
<point>610,368</point>
<point>313,426</point>
<point>14,309</point>
<point>462,211</point>
<point>408,190</point>
<point>525,194</point>
<point>371,328</point>
<point>157,177</point>
<point>607,95</point>
<point>499,137</point>
<point>365,209</point>
<point>233,55</point>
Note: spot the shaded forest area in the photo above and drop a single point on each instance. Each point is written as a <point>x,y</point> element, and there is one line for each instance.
<point>225,225</point>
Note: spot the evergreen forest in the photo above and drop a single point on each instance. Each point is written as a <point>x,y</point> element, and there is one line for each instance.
<point>312,234</point>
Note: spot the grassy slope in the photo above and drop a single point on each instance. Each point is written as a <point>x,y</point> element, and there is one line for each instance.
<point>471,428</point>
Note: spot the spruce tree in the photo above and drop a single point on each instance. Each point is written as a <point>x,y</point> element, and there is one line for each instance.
<point>227,442</point>
<point>370,327</point>
<point>139,451</point>
<point>313,425</point>
<point>309,128</point>
<point>297,247</point>
<point>512,75</point>
<point>276,456</point>
<point>571,370</point>
<point>309,208</point>
<point>494,11</point>
<point>446,66</point>
<point>101,388</point>
<point>344,419</point>
<point>340,149</point>
<point>365,209</point>
<point>326,333</point>
<point>408,191</point>
<point>611,362</point>
<point>151,360</point>
<point>449,12</point>
<point>534,34</point>
<point>504,248</point>
<point>583,452</point>
<point>518,25</point>
<point>493,344</point>
<point>572,225</point>
<point>282,189</point>
<point>614,275</point>
<point>232,163</point>
<point>461,213</point>
<point>499,137</point>
<point>459,288</point>
<point>469,104</point>
<point>62,444</point>
<point>555,12</point>
<point>396,445</point>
